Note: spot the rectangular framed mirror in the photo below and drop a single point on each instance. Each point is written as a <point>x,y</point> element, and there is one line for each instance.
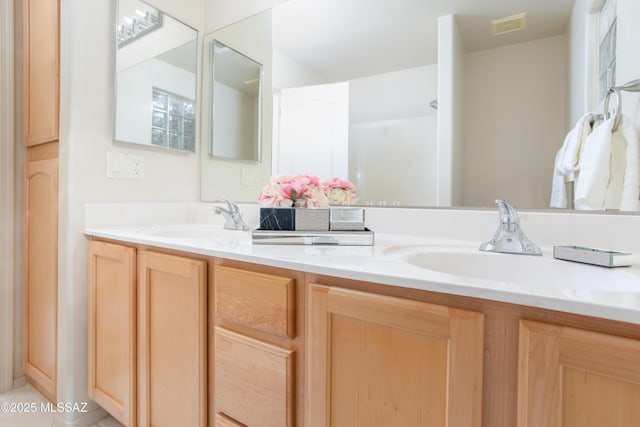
<point>236,82</point>
<point>156,62</point>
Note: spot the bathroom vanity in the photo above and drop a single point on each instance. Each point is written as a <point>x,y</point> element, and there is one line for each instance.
<point>193,322</point>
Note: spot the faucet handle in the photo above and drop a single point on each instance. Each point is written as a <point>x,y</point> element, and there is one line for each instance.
<point>509,237</point>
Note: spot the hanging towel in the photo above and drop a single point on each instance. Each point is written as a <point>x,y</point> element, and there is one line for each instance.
<point>631,185</point>
<point>609,168</point>
<point>570,161</point>
<point>567,161</point>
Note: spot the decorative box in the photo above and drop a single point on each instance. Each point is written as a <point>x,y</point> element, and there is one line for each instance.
<point>277,219</point>
<point>311,219</point>
<point>346,219</point>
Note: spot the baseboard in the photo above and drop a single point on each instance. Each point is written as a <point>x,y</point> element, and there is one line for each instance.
<point>85,419</point>
<point>19,382</point>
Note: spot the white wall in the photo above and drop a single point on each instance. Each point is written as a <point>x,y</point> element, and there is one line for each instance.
<point>289,73</point>
<point>220,13</point>
<point>450,112</point>
<point>514,121</point>
<point>86,134</point>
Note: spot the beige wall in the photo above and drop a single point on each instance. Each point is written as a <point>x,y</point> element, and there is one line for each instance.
<point>514,122</point>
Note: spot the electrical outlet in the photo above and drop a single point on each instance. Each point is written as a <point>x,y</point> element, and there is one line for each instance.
<point>137,167</point>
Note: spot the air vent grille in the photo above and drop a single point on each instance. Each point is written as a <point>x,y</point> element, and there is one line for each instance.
<point>509,24</point>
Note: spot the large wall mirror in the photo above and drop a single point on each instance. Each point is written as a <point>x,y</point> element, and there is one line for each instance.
<point>375,63</point>
<point>156,60</point>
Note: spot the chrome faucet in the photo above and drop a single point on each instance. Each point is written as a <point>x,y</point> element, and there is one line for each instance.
<point>232,216</point>
<point>509,238</point>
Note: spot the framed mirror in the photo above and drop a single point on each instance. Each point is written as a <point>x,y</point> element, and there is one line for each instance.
<point>156,61</point>
<point>236,104</point>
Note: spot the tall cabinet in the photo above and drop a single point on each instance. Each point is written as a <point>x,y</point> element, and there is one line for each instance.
<point>41,100</point>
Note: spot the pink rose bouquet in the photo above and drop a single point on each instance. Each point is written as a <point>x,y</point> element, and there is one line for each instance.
<point>306,190</point>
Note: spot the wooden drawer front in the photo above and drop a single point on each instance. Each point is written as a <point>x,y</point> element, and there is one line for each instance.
<point>221,420</point>
<point>262,301</point>
<point>253,381</point>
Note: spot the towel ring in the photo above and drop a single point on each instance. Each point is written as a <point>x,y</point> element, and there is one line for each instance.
<point>617,110</point>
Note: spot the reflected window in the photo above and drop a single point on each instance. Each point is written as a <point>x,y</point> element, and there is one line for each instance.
<point>173,121</point>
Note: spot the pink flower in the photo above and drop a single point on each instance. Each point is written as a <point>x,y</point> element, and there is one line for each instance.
<point>285,190</point>
<point>339,191</point>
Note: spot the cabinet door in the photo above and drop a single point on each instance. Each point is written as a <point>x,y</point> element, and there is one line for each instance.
<point>383,361</point>
<point>41,274</point>
<point>41,22</point>
<point>570,377</point>
<point>112,329</point>
<point>171,340</point>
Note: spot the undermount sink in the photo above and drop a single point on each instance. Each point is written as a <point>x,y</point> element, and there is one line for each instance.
<point>190,231</point>
<point>529,271</point>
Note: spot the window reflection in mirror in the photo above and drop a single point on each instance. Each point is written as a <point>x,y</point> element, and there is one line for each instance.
<point>236,112</point>
<point>156,58</point>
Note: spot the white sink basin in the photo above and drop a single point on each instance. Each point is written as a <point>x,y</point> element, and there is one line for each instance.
<point>191,231</point>
<point>526,270</point>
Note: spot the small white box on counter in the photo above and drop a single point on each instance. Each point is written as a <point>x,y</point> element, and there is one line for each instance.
<point>601,257</point>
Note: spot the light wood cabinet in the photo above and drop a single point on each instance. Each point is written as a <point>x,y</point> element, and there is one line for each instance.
<point>172,340</point>
<point>254,347</point>
<point>147,336</point>
<point>40,100</point>
<point>383,361</point>
<point>41,274</point>
<point>41,71</point>
<point>576,378</point>
<point>112,329</point>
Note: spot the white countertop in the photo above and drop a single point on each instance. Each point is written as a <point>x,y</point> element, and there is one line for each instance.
<point>557,285</point>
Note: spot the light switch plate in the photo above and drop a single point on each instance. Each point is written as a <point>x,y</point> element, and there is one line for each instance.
<point>124,166</point>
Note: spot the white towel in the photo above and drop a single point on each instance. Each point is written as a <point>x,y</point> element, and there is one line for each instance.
<point>630,200</point>
<point>610,168</point>
<point>567,161</point>
<point>571,157</point>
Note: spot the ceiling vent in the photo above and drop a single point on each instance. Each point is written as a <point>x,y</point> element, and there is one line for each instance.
<point>254,83</point>
<point>509,24</point>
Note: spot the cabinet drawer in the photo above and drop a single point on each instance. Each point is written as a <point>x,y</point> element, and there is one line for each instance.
<point>261,301</point>
<point>221,420</point>
<point>253,380</point>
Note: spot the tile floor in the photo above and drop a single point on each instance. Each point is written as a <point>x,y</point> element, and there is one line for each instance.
<point>17,398</point>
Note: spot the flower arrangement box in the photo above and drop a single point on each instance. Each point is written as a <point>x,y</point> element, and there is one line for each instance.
<point>298,219</point>
<point>301,202</point>
<point>277,219</point>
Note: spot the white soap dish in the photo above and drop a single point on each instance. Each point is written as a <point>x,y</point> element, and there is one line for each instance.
<point>601,257</point>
